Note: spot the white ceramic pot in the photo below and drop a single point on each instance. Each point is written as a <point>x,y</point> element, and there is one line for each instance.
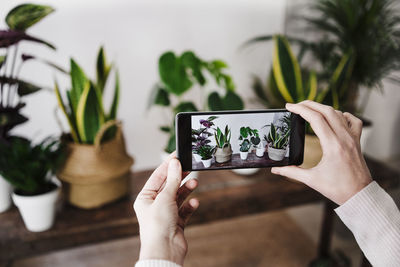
<point>276,154</point>
<point>260,152</point>
<point>246,172</point>
<point>192,175</point>
<point>243,155</point>
<point>38,212</point>
<point>5,194</point>
<point>197,157</point>
<point>206,162</point>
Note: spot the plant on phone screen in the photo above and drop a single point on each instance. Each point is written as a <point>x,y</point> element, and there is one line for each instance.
<point>248,137</point>
<point>201,135</point>
<point>181,73</point>
<point>205,152</point>
<point>276,138</point>
<point>222,139</point>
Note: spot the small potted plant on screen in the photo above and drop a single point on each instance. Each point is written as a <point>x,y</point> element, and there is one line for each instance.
<point>206,152</point>
<point>201,135</point>
<point>245,144</point>
<point>30,169</point>
<point>223,152</point>
<point>278,141</point>
<point>257,143</point>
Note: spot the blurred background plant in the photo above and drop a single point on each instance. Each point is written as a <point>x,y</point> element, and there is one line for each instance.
<point>30,168</point>
<point>83,107</point>
<point>12,88</point>
<point>361,35</point>
<point>180,74</point>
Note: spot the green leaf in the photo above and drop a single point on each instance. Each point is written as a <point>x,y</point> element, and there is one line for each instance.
<point>189,60</point>
<point>312,86</point>
<point>78,80</point>
<point>2,60</point>
<point>114,106</point>
<point>24,88</point>
<point>173,74</point>
<point>165,129</point>
<point>231,101</point>
<point>211,118</point>
<point>185,107</point>
<point>287,72</point>
<point>24,16</point>
<point>102,69</point>
<point>215,102</point>
<point>243,132</point>
<point>171,145</point>
<point>219,64</point>
<point>162,97</point>
<point>89,116</point>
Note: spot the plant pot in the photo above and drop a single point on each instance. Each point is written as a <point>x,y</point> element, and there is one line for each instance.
<point>243,155</point>
<point>38,212</point>
<point>312,152</point>
<point>197,157</point>
<point>206,162</point>
<point>276,154</point>
<point>223,154</point>
<point>95,175</point>
<point>246,172</point>
<point>5,194</point>
<point>260,152</point>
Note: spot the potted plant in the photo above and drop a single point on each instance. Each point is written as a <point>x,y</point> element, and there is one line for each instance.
<point>278,141</point>
<point>180,74</point>
<point>12,87</point>
<point>206,152</point>
<point>97,167</point>
<point>35,189</point>
<point>257,143</point>
<point>200,136</point>
<point>245,144</point>
<point>223,151</point>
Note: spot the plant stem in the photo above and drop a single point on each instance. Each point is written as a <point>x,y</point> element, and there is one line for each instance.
<point>5,75</point>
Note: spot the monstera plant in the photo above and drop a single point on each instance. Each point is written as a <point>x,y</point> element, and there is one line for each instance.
<point>179,74</point>
<point>12,87</point>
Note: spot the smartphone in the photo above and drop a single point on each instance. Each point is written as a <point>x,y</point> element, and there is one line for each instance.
<point>239,139</point>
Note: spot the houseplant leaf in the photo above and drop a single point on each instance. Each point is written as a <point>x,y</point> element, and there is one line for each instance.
<point>78,79</point>
<point>24,88</point>
<point>11,37</point>
<point>286,71</point>
<point>185,107</point>
<point>312,86</point>
<point>173,74</point>
<point>24,16</point>
<point>190,60</point>
<point>102,69</point>
<point>88,116</point>
<point>114,106</point>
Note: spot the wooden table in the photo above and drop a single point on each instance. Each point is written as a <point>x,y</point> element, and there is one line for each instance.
<point>222,195</point>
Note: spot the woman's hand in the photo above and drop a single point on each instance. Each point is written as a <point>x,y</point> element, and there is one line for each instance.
<point>162,213</point>
<point>342,171</point>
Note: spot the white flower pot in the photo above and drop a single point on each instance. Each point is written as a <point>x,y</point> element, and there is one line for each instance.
<point>249,171</point>
<point>5,194</point>
<point>243,155</point>
<point>38,212</point>
<point>260,152</point>
<point>192,175</point>
<point>206,162</point>
<point>197,157</point>
<point>276,154</point>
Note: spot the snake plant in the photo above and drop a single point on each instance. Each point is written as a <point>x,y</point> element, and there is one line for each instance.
<point>83,105</point>
<point>277,139</point>
<point>223,139</point>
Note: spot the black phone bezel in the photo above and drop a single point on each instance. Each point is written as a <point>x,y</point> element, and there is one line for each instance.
<point>183,129</point>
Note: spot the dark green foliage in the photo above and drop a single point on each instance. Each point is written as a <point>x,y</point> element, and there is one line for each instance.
<point>22,17</point>
<point>29,167</point>
<point>205,152</point>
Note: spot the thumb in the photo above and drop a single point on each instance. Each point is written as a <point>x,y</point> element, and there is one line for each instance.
<point>174,178</point>
<point>293,172</point>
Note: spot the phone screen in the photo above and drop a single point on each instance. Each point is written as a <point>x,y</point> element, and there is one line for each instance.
<point>241,139</point>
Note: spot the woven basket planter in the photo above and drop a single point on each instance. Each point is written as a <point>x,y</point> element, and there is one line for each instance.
<point>95,175</point>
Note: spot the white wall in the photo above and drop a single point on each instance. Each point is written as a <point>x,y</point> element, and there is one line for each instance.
<point>135,33</point>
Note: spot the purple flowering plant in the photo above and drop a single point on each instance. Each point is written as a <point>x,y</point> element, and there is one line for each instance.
<point>200,137</point>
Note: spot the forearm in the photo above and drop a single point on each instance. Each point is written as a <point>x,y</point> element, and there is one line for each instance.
<point>374,220</point>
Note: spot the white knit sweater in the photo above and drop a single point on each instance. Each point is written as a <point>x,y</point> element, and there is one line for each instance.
<point>374,219</point>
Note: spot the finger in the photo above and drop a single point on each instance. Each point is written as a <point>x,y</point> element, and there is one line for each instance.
<point>186,211</point>
<point>185,190</point>
<point>342,118</point>
<point>329,114</point>
<point>174,178</point>
<point>293,172</point>
<point>355,125</point>
<point>317,121</point>
<point>158,177</point>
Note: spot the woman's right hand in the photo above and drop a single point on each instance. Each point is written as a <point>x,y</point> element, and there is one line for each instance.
<point>342,171</point>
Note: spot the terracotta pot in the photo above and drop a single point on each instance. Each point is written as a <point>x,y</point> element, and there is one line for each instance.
<point>95,175</point>
<point>223,154</point>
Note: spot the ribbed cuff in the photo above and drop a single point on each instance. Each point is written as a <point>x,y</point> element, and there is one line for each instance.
<point>156,263</point>
<point>374,219</point>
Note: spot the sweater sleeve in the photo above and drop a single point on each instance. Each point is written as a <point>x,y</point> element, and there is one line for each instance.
<point>156,263</point>
<point>374,219</point>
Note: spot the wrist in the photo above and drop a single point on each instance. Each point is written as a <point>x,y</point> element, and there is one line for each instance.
<point>161,250</point>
